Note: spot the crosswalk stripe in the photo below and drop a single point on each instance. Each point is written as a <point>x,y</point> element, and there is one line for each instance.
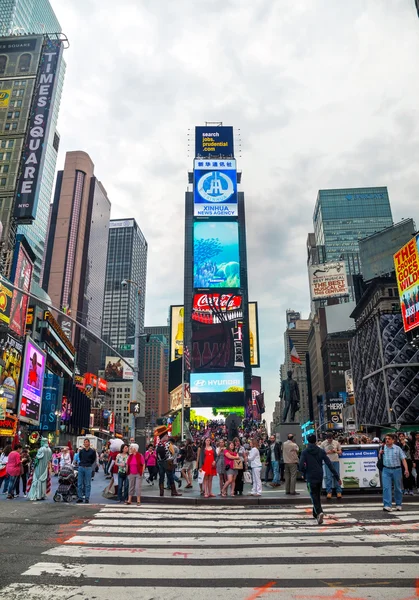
<point>181,553</point>
<point>207,517</point>
<point>81,592</point>
<point>153,522</point>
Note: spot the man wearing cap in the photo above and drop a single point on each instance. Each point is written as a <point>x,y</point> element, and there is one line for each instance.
<point>311,461</point>
<point>165,460</point>
<point>333,450</point>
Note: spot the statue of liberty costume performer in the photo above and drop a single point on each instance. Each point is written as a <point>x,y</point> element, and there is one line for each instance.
<point>39,484</point>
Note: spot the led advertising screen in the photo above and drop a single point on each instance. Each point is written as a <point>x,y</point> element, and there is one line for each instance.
<point>214,142</point>
<point>328,280</point>
<point>23,279</point>
<point>254,334</point>
<point>216,255</point>
<point>6,295</point>
<point>32,383</point>
<point>176,332</point>
<point>207,383</point>
<point>11,355</point>
<point>216,308</point>
<point>215,188</point>
<point>406,264</point>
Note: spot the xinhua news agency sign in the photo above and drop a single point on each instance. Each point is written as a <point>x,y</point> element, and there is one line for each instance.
<point>37,134</point>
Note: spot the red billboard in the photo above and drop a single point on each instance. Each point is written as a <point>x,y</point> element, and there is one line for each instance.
<point>22,280</point>
<point>216,308</point>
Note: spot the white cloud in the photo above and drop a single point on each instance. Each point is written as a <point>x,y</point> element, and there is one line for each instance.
<point>324,94</point>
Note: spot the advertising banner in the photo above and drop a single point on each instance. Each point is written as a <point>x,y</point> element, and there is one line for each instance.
<point>5,98</point>
<point>215,188</point>
<point>216,308</point>
<point>11,354</point>
<point>406,264</point>
<point>358,467</point>
<point>117,370</point>
<point>33,154</point>
<point>217,343</point>
<point>214,141</point>
<point>216,254</point>
<point>176,332</point>
<point>328,280</point>
<point>6,295</point>
<point>205,383</point>
<point>334,408</point>
<point>32,383</point>
<point>8,426</point>
<point>22,280</point>
<point>254,334</point>
<point>51,402</point>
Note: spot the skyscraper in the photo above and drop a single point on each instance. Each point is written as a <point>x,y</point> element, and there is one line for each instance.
<point>343,217</point>
<point>155,378</point>
<point>126,260</point>
<point>18,17</point>
<point>75,264</point>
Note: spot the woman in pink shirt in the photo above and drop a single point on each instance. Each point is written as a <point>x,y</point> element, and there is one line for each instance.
<point>13,470</point>
<point>230,455</point>
<point>151,464</point>
<point>135,470</point>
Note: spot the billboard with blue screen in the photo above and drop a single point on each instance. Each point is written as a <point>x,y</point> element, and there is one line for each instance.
<point>216,255</point>
<point>215,188</point>
<point>207,383</point>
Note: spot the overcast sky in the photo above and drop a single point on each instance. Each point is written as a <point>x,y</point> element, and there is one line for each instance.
<point>324,93</point>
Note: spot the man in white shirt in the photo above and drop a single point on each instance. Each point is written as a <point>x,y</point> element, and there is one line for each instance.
<point>333,450</point>
<point>290,455</point>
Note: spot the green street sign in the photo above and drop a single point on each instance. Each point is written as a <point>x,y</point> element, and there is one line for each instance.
<point>126,347</point>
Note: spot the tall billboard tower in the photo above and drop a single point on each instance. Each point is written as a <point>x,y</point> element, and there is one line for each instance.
<point>219,347</point>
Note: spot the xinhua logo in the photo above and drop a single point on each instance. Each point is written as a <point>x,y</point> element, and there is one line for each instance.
<point>215,187</point>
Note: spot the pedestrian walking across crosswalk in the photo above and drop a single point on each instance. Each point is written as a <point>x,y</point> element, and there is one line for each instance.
<point>167,552</point>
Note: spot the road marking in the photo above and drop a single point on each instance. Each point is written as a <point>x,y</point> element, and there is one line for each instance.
<point>152,522</point>
<point>379,570</point>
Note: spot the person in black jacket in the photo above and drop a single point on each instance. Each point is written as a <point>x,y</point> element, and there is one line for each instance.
<point>273,459</point>
<point>311,465</point>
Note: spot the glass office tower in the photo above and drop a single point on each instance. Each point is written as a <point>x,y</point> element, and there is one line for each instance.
<point>343,217</point>
<point>18,17</point>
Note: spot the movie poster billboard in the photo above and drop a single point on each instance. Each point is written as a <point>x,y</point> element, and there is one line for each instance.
<point>22,280</point>
<point>6,295</point>
<point>215,188</point>
<point>176,332</point>
<point>334,411</point>
<point>254,334</point>
<point>406,264</point>
<point>10,370</point>
<point>216,254</point>
<point>32,383</point>
<point>213,142</point>
<point>328,280</point>
<point>117,370</point>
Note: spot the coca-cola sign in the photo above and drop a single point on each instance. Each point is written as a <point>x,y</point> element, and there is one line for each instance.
<point>221,302</point>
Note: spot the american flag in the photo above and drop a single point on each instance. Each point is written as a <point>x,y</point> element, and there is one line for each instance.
<point>187,359</point>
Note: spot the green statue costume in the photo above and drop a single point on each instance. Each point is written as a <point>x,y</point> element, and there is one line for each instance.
<point>41,474</point>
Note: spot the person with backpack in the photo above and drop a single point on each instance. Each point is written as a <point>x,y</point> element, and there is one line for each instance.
<point>188,465</point>
<point>311,466</point>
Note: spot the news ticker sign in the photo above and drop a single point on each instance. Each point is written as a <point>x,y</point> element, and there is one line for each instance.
<point>34,148</point>
<point>214,141</point>
<point>406,264</point>
<point>215,188</point>
<point>328,280</point>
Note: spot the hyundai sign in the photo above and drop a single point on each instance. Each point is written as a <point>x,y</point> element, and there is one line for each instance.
<point>206,383</point>
<point>215,188</point>
<point>214,142</point>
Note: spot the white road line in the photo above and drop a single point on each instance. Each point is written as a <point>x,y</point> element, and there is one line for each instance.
<point>152,522</point>
<point>17,591</point>
<point>380,570</point>
<point>181,553</point>
<point>206,517</point>
<point>221,541</point>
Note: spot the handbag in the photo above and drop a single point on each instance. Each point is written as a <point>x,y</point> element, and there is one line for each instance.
<point>109,491</point>
<point>201,476</point>
<point>195,473</point>
<point>247,477</point>
<point>380,461</point>
<point>238,464</point>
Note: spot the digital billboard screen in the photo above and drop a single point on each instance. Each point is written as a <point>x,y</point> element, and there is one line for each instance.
<point>176,332</point>
<point>118,370</point>
<point>215,188</point>
<point>406,264</point>
<point>328,280</point>
<point>210,383</point>
<point>214,141</point>
<point>22,280</point>
<point>254,334</point>
<point>11,355</point>
<point>32,383</point>
<point>216,254</point>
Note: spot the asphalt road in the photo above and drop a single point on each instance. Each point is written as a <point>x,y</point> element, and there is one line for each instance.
<point>112,552</point>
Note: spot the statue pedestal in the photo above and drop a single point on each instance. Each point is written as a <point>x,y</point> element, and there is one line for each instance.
<point>283,429</point>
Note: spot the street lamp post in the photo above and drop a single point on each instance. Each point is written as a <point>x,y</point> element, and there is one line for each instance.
<point>57,431</point>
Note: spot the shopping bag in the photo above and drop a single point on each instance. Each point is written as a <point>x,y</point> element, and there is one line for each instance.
<point>201,476</point>
<point>247,477</point>
<point>109,491</point>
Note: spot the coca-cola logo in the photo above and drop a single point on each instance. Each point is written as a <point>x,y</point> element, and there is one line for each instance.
<point>219,301</point>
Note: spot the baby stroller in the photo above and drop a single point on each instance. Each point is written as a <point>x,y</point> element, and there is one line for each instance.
<point>67,486</point>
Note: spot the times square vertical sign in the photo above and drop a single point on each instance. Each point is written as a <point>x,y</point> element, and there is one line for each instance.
<point>34,149</point>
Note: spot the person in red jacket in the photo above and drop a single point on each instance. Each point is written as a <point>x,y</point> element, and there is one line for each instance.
<point>13,468</point>
<point>135,470</point>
